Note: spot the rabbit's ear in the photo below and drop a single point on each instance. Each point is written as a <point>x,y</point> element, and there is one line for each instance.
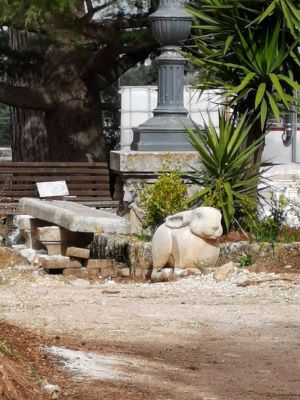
<point>179,220</point>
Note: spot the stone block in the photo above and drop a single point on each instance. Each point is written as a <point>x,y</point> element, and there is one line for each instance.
<point>162,275</point>
<point>142,273</point>
<point>23,221</point>
<point>56,262</point>
<point>78,252</point>
<point>224,272</point>
<point>149,162</point>
<point>54,248</point>
<point>108,272</point>
<point>82,273</point>
<point>49,234</point>
<point>98,263</point>
<point>31,254</point>
<point>125,272</point>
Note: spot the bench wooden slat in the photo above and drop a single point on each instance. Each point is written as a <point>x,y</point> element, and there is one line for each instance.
<point>35,164</point>
<point>88,182</point>
<point>46,178</point>
<point>71,186</point>
<point>38,171</point>
<point>32,193</point>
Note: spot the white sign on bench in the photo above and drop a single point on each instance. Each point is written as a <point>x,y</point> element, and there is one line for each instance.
<point>52,189</point>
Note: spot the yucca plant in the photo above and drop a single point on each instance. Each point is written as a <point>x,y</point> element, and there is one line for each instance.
<point>249,51</point>
<point>227,179</point>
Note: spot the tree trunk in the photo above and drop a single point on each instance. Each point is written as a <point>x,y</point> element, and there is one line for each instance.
<point>72,129</point>
<point>28,130</point>
<point>74,124</point>
<point>255,133</point>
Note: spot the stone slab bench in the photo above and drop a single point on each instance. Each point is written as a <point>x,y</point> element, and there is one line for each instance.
<point>74,217</point>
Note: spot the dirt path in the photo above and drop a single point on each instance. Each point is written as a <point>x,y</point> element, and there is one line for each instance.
<point>191,339</point>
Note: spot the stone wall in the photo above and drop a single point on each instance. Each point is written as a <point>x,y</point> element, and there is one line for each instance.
<point>283,251</point>
<point>127,250</point>
<point>135,254</point>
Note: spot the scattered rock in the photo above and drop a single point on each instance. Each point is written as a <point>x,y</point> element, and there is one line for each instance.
<point>223,272</point>
<point>13,238</point>
<point>110,291</point>
<point>82,273</point>
<point>208,398</point>
<point>19,247</point>
<point>31,254</point>
<point>125,272</point>
<point>256,268</point>
<point>82,283</point>
<point>190,272</point>
<point>288,267</point>
<point>162,275</point>
<point>52,390</point>
<point>55,262</point>
<point>178,271</point>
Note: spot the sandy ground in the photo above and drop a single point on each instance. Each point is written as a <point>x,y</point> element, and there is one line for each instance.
<point>191,339</point>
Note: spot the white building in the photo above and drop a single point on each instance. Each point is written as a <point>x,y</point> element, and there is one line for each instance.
<point>137,103</point>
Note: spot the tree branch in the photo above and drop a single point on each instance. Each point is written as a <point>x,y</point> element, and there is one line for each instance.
<point>101,59</point>
<point>113,52</point>
<point>25,97</point>
<point>124,23</point>
<point>93,10</point>
<point>124,63</point>
<point>107,30</point>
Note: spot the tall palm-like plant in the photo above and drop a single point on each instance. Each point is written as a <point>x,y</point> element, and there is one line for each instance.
<point>228,180</point>
<point>249,51</point>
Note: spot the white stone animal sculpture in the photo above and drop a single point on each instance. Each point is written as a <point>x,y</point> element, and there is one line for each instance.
<point>187,239</point>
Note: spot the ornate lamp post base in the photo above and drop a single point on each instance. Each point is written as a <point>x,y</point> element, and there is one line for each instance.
<point>162,133</point>
<point>166,130</point>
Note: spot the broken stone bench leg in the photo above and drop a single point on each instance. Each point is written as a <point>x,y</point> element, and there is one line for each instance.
<point>51,238</point>
<point>57,239</point>
<point>28,226</point>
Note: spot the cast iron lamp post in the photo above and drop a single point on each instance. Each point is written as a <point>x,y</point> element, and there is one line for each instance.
<point>165,131</point>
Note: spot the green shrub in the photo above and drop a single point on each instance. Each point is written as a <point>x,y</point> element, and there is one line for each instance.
<point>274,227</point>
<point>165,197</point>
<point>267,230</point>
<point>246,260</point>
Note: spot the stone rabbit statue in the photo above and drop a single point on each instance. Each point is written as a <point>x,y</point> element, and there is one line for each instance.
<point>187,239</point>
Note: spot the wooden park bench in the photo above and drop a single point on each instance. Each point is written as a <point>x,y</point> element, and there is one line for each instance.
<point>88,183</point>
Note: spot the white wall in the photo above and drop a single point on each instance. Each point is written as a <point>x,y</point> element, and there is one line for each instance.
<point>137,103</point>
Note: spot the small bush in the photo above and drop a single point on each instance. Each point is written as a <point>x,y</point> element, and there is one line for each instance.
<point>165,197</point>
<point>267,230</point>
<point>246,260</point>
<point>274,228</point>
